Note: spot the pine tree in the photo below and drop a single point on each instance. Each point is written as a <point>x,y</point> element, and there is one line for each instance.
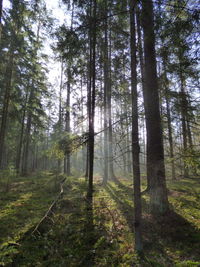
<point>155,150</point>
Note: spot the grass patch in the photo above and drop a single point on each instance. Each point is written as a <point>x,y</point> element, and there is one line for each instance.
<point>78,234</point>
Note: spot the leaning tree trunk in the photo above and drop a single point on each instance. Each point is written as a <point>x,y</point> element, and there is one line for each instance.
<point>155,150</point>
<point>135,134</point>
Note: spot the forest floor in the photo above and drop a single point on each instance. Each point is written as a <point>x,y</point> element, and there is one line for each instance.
<point>76,235</point>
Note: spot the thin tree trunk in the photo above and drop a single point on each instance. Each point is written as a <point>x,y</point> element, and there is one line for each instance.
<point>91,101</point>
<point>28,134</point>
<point>101,121</point>
<point>84,148</point>
<point>106,77</point>
<point>67,160</point>
<point>141,59</point>
<point>27,143</point>
<point>171,145</point>
<point>67,165</point>
<point>19,152</point>
<point>183,121</point>
<point>129,169</point>
<point>169,124</point>
<point>190,141</point>
<point>135,134</point>
<point>110,129</point>
<point>1,9</point>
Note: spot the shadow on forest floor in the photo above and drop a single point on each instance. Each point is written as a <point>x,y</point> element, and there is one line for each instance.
<point>72,238</point>
<point>169,238</point>
<point>81,234</point>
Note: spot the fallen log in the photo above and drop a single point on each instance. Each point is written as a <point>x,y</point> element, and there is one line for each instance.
<point>50,210</point>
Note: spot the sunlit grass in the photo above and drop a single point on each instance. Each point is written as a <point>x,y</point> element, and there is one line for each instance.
<point>10,208</point>
<point>110,241</point>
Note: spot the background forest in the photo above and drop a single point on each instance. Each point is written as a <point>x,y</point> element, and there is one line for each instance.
<point>99,104</point>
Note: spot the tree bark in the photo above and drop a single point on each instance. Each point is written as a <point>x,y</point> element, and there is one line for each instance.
<point>91,98</point>
<point>171,143</point>
<point>1,9</point>
<point>169,122</point>
<point>158,191</point>
<point>19,151</point>
<point>26,147</point>
<point>183,104</point>
<point>7,94</point>
<point>28,133</point>
<point>110,129</point>
<point>135,134</point>
<point>60,118</point>
<point>141,59</point>
<point>67,165</point>
<point>106,77</point>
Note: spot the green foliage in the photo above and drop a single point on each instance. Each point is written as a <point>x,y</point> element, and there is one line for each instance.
<point>70,143</point>
<point>69,236</point>
<point>192,160</point>
<point>55,152</point>
<point>187,264</point>
<point>6,177</point>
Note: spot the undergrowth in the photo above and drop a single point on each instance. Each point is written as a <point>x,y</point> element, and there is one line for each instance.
<point>78,234</point>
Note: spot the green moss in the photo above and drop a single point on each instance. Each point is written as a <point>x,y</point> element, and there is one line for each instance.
<point>187,264</point>
<point>69,238</point>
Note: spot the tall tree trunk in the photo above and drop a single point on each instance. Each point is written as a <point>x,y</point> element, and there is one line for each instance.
<point>106,77</point>
<point>141,59</point>
<point>183,104</point>
<point>84,148</point>
<point>129,164</point>
<point>155,151</point>
<point>135,134</point>
<point>67,165</point>
<point>101,122</point>
<point>1,9</point>
<point>19,151</point>
<point>27,144</point>
<point>190,141</point>
<point>171,143</point>
<point>110,129</point>
<point>7,94</point>
<point>91,98</point>
<point>60,119</point>
<point>29,115</point>
<point>67,159</point>
<point>89,80</point>
<point>28,132</point>
<point>169,122</point>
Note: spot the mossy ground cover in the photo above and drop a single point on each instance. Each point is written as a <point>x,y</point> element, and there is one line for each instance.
<point>78,235</point>
<point>23,201</point>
